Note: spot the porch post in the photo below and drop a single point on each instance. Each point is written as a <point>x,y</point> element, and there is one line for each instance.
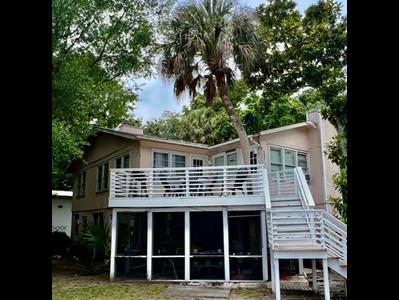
<point>325,279</point>
<point>226,246</point>
<point>187,245</point>
<point>149,245</point>
<point>277,278</point>
<point>113,245</point>
<point>272,272</point>
<point>314,275</point>
<point>264,245</point>
<point>300,266</point>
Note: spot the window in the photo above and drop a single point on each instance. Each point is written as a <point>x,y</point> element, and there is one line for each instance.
<point>102,177</point>
<point>169,160</point>
<point>178,161</point>
<point>282,159</point>
<point>232,159</point>
<point>131,246</point>
<point>84,221</point>
<point>122,162</point>
<point>253,158</point>
<point>76,223</point>
<point>245,245</point>
<point>81,184</point>
<point>198,162</point>
<point>98,218</point>
<point>219,161</point>
<point>168,245</point>
<point>161,160</point>
<point>206,245</point>
<point>228,158</point>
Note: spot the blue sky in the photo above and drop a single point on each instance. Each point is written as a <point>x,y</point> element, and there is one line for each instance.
<point>156,96</point>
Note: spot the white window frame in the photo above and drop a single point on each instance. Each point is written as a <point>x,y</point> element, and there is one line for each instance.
<point>283,148</point>
<point>187,241</point>
<point>189,157</point>
<point>197,157</point>
<point>81,186</point>
<point>101,188</point>
<point>121,157</point>
<point>224,154</point>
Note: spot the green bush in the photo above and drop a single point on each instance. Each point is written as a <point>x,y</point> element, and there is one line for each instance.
<point>60,243</point>
<point>95,240</point>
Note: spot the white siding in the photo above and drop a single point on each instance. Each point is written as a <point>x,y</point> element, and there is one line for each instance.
<point>62,216</point>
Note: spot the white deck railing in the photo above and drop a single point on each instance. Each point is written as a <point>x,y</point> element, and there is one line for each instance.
<point>291,183</point>
<point>187,182</point>
<point>295,228</point>
<point>307,227</point>
<point>335,233</point>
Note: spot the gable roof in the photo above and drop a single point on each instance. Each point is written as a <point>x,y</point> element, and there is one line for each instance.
<point>197,145</point>
<point>148,137</point>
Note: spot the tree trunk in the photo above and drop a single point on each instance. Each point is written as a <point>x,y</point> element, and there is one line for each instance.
<point>242,135</point>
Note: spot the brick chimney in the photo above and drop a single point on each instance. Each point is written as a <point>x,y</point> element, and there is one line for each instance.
<point>125,127</point>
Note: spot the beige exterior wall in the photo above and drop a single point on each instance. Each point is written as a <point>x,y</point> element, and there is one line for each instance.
<point>147,148</point>
<point>302,139</point>
<point>106,148</point>
<point>328,133</point>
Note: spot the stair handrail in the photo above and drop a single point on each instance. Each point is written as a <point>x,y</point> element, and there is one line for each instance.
<point>304,191</point>
<point>335,235</point>
<point>266,190</point>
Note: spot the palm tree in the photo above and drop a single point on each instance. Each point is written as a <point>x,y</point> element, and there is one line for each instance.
<point>203,41</point>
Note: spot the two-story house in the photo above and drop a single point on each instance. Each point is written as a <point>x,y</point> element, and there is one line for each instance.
<point>183,211</point>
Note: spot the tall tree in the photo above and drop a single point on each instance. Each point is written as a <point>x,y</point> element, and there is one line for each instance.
<point>96,46</point>
<point>202,39</point>
<point>306,51</point>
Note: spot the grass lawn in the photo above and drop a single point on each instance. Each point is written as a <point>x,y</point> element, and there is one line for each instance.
<point>71,283</point>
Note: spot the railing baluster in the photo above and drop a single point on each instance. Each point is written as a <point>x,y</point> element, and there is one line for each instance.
<point>187,184</point>
<point>224,181</point>
<point>151,180</point>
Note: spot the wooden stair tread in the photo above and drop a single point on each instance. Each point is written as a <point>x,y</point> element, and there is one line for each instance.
<point>343,263</point>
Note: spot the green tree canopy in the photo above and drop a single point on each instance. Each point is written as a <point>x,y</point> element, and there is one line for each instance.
<point>201,40</point>
<point>97,45</point>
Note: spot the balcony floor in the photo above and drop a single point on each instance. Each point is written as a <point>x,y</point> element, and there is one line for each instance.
<point>187,201</point>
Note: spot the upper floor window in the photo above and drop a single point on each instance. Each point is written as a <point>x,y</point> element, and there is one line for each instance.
<point>81,184</point>
<point>172,160</point>
<point>228,158</point>
<point>198,162</point>
<point>253,158</point>
<point>282,159</point>
<point>102,177</point>
<point>122,162</point>
<point>161,160</point>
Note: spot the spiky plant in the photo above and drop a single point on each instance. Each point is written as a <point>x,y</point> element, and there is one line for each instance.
<point>203,41</point>
<point>95,239</point>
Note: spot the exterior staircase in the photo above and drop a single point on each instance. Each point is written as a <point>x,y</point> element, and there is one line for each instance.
<point>296,230</point>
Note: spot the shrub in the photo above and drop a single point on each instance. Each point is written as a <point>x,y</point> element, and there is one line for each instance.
<point>95,239</point>
<point>60,243</point>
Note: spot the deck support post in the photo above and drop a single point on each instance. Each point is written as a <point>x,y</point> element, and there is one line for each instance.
<point>314,275</point>
<point>277,278</point>
<point>272,272</point>
<point>325,279</point>
<point>300,266</point>
<point>113,245</point>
